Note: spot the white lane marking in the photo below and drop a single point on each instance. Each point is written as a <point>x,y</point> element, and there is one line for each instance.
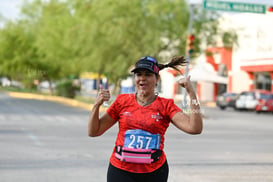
<point>32,137</point>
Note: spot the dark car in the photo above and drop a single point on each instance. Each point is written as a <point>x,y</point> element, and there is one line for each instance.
<point>226,100</point>
<point>265,103</point>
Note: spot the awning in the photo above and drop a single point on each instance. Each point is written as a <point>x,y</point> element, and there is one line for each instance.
<point>204,72</point>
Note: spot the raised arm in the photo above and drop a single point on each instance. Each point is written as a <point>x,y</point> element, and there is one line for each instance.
<point>190,123</point>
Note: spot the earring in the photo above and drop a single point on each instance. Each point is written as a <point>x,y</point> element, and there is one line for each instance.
<point>156,89</point>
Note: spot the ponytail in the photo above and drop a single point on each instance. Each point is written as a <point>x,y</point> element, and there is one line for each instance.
<point>174,63</point>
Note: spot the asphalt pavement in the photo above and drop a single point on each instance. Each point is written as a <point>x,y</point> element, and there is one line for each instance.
<point>45,141</point>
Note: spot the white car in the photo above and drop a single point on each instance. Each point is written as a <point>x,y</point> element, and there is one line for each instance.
<point>248,100</point>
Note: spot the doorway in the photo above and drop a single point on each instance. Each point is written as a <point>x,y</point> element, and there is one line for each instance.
<point>263,81</point>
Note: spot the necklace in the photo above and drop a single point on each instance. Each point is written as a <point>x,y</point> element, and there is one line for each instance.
<point>143,103</point>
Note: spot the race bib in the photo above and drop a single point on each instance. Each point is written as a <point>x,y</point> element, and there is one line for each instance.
<point>139,139</point>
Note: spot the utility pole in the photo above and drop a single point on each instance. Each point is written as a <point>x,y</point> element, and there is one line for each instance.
<point>188,55</point>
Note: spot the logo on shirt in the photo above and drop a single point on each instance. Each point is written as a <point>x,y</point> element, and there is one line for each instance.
<point>126,114</point>
<point>157,117</point>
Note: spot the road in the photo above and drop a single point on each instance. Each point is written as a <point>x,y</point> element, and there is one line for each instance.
<point>43,141</point>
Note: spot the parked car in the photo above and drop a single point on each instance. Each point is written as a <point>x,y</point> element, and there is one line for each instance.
<point>265,103</point>
<point>248,100</point>
<point>226,100</point>
<point>5,82</point>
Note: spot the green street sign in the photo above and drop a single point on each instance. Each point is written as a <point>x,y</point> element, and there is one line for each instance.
<point>234,6</point>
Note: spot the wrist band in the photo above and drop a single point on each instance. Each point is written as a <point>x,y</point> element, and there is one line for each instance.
<point>195,102</point>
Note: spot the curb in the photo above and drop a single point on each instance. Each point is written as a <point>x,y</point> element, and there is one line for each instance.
<point>208,104</point>
<point>62,100</point>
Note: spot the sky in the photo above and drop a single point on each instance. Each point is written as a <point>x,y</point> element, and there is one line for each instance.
<point>10,9</point>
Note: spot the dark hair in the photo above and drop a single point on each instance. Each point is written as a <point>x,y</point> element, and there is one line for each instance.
<point>174,63</point>
<point>151,64</point>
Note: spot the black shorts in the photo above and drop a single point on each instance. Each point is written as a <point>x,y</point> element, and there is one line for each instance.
<point>118,175</point>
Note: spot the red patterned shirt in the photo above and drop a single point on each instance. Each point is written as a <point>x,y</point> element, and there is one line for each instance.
<point>154,118</point>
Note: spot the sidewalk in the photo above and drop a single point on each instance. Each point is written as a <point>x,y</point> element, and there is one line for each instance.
<point>208,104</point>
<point>63,100</point>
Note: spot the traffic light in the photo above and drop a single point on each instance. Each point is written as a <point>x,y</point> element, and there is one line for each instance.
<point>190,44</point>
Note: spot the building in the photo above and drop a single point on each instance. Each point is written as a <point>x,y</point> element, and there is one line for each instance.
<point>252,60</point>
<point>247,66</point>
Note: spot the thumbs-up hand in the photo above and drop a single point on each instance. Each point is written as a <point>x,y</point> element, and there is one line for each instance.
<point>103,95</point>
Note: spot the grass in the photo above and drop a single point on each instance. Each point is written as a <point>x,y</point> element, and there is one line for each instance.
<point>14,89</point>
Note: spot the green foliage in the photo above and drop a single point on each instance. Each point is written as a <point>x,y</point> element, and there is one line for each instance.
<point>123,31</point>
<point>66,88</point>
<point>207,31</point>
<point>58,38</point>
<point>17,53</point>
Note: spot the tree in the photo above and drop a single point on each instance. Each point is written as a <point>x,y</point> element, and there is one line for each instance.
<point>69,37</point>
<point>123,31</point>
<point>50,24</point>
<point>17,53</point>
<point>208,33</point>
<point>53,20</point>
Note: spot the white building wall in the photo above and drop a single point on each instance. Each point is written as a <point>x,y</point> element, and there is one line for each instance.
<point>254,42</point>
<point>240,81</point>
<point>167,84</point>
<point>207,91</point>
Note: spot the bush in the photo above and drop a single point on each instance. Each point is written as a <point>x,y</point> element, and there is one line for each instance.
<point>66,89</point>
